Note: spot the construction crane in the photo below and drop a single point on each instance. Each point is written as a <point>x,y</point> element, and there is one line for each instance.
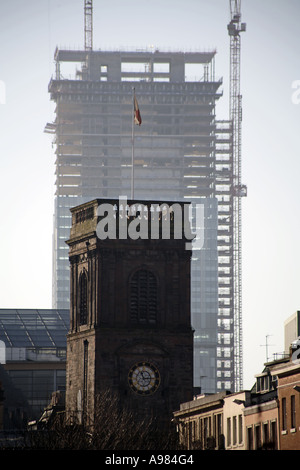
<point>235,27</point>
<point>88,25</point>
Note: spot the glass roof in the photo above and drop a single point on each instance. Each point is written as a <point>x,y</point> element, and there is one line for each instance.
<point>30,328</point>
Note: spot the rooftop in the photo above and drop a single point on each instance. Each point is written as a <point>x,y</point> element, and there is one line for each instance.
<point>42,330</point>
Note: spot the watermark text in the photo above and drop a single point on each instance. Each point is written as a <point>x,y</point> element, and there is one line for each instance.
<point>155,221</point>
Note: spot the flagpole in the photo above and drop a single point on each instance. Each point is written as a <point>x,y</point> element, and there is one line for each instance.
<point>132,151</point>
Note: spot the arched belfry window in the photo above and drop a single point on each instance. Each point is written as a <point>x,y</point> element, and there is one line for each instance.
<point>83,299</point>
<point>143,297</point>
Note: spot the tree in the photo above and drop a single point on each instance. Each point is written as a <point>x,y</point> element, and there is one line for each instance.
<point>113,428</point>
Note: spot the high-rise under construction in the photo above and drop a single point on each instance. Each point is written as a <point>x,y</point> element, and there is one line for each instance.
<point>181,152</point>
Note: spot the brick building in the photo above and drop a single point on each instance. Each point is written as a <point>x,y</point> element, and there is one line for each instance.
<point>130,327</point>
<point>288,387</point>
<point>261,422</point>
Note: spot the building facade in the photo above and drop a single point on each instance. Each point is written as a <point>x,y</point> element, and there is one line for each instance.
<point>261,425</point>
<point>200,422</point>
<point>291,331</point>
<point>32,361</point>
<point>263,418</point>
<point>181,152</point>
<point>234,420</point>
<point>130,323</point>
<point>288,384</point>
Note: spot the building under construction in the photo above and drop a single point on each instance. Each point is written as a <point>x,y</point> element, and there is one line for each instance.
<point>181,152</point>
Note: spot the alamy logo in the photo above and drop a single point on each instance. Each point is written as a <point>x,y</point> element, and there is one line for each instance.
<point>296,93</point>
<point>296,353</point>
<point>2,352</point>
<point>157,221</point>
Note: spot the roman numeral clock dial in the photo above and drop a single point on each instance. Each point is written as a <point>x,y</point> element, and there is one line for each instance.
<point>144,378</point>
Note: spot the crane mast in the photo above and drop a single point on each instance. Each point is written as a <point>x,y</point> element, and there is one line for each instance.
<point>88,25</point>
<point>235,27</point>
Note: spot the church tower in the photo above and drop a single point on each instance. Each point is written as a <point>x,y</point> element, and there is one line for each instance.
<point>130,326</point>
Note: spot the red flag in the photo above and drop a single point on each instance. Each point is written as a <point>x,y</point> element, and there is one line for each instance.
<point>137,114</point>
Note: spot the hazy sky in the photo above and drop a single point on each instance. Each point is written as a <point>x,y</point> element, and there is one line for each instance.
<point>29,32</point>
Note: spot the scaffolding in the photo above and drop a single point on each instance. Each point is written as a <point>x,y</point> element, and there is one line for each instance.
<point>174,155</point>
<point>235,27</point>
<point>182,152</point>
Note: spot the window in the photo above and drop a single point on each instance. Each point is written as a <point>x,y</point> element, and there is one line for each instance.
<point>205,431</point>
<point>273,434</point>
<point>240,429</point>
<point>265,428</point>
<point>85,372</point>
<point>257,437</point>
<point>283,410</point>
<point>263,383</point>
<point>234,431</point>
<point>293,412</point>
<point>143,297</point>
<point>250,438</point>
<point>83,299</point>
<point>228,432</point>
<point>219,433</point>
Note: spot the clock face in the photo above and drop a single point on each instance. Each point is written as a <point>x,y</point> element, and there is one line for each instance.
<point>144,378</point>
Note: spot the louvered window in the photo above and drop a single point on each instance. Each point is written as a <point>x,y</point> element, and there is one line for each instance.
<point>83,302</point>
<point>143,297</point>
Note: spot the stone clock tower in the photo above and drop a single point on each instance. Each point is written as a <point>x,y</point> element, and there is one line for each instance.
<point>130,327</point>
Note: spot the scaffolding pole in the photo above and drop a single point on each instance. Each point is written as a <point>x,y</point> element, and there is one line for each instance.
<point>235,27</point>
